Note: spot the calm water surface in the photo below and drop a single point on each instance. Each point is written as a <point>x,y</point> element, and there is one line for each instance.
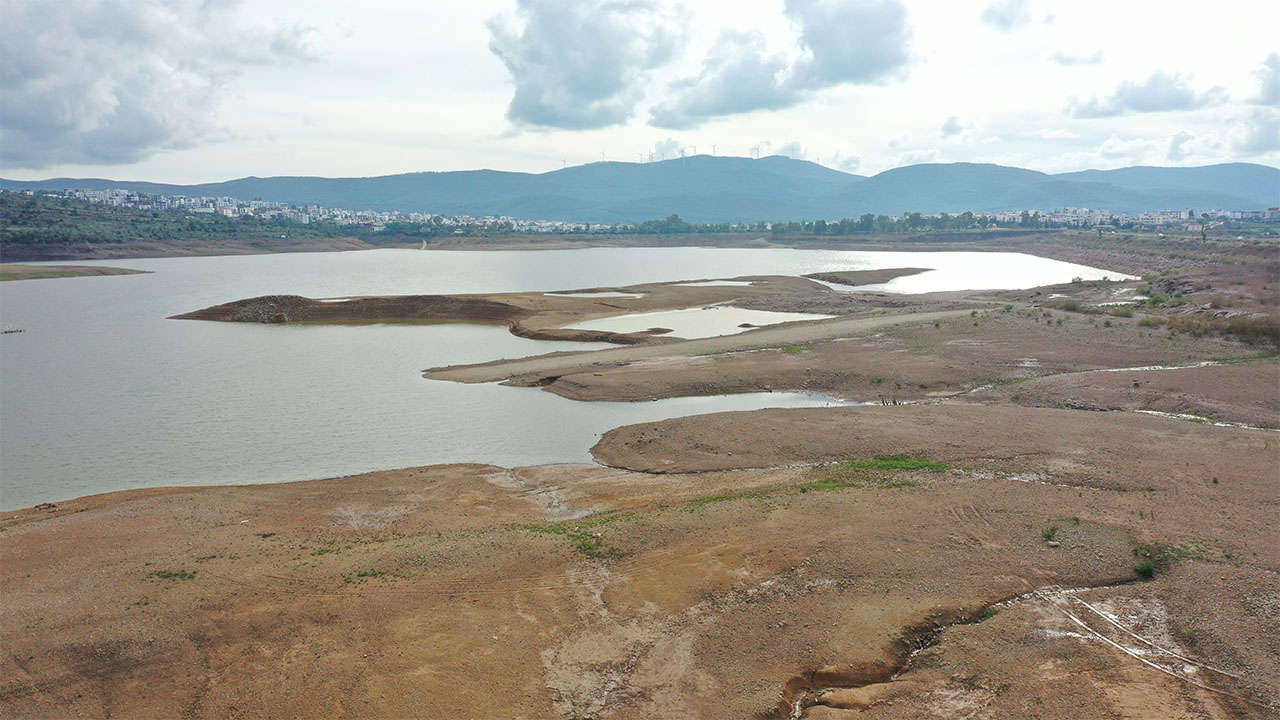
<point>102,393</point>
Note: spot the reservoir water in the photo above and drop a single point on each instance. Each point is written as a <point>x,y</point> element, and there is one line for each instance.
<point>101,392</point>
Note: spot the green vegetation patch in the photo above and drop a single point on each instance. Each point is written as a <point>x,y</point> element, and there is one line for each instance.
<point>581,534</point>
<point>879,483</point>
<point>1155,558</point>
<point>794,349</point>
<point>179,574</point>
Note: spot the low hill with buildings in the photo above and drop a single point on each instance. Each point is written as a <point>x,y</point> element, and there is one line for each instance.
<point>707,189</point>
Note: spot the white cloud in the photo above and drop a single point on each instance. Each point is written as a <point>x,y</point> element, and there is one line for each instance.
<point>111,81</point>
<point>842,43</point>
<point>846,163</point>
<point>953,126</point>
<point>1068,59</point>
<point>1133,150</point>
<point>583,64</point>
<point>667,148</point>
<point>793,150</point>
<point>1007,15</point>
<point>1054,134</point>
<point>1160,92</point>
<point>1269,81</point>
<point>1256,133</point>
<point>917,156</point>
<point>1178,146</point>
<point>739,75</point>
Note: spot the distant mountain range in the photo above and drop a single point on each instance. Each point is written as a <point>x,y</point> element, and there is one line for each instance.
<point>733,189</point>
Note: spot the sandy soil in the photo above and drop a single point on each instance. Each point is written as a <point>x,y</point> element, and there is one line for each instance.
<point>475,591</point>
<point>10,271</point>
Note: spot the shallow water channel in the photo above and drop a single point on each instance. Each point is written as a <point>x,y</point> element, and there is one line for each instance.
<point>101,392</point>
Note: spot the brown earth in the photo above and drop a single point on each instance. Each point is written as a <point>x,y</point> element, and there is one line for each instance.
<point>866,277</point>
<point>888,357</point>
<point>1238,393</point>
<point>540,316</point>
<point>70,252</point>
<point>12,271</point>
<point>739,566</point>
<point>473,591</point>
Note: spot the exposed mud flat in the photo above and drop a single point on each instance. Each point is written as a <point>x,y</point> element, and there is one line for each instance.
<point>855,278</point>
<point>10,271</point>
<point>1235,393</point>
<point>468,591</point>
<point>538,316</point>
<point>1019,550</point>
<point>895,356</point>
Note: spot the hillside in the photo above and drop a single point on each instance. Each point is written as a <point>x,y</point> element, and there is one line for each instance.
<point>730,189</point>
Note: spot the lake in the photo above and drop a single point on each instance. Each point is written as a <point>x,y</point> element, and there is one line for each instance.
<point>102,392</point>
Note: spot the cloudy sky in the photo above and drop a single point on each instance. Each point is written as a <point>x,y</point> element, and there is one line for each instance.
<point>193,91</point>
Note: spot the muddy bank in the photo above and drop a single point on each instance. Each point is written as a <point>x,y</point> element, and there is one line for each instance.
<point>9,271</point>
<point>575,591</point>
<point>771,438</point>
<point>539,316</point>
<point>866,277</point>
<point>870,358</point>
<point>544,370</point>
<point>1234,393</point>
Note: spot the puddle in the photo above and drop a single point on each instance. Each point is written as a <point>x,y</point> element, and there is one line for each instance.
<point>717,283</point>
<point>697,322</point>
<point>602,294</point>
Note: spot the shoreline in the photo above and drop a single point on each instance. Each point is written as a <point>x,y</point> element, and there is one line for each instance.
<point>12,272</point>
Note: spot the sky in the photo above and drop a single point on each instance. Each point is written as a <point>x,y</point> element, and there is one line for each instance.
<point>189,91</point>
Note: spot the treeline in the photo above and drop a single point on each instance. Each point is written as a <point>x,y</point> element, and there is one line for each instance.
<point>51,219</point>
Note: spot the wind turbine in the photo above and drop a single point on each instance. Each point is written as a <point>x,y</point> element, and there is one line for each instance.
<point>713,149</point>
<point>755,152</point>
<point>564,163</point>
<point>695,149</point>
<point>602,156</point>
<point>641,156</point>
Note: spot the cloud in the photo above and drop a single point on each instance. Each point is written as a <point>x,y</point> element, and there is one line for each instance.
<point>1054,134</point>
<point>1256,133</point>
<point>738,76</point>
<point>1067,59</point>
<point>793,150</point>
<point>857,41</point>
<point>1007,15</point>
<point>1131,150</point>
<point>1177,146</point>
<point>841,43</point>
<point>846,163</point>
<point>114,81</point>
<point>1269,81</point>
<point>581,65</point>
<point>1159,93</point>
<point>670,146</point>
<point>919,156</point>
<point>952,126</point>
